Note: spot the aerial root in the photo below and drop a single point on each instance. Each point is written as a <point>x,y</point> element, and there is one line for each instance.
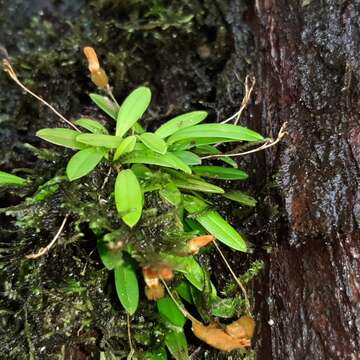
<point>45,249</point>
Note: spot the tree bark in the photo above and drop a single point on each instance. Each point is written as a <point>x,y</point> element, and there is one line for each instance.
<point>308,75</point>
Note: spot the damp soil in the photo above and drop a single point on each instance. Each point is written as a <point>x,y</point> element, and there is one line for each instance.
<point>194,55</point>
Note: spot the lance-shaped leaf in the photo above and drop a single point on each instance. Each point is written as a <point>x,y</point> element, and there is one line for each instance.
<point>127,287</point>
<point>132,109</point>
<point>128,197</point>
<point>180,122</point>
<point>175,341</point>
<point>170,312</point>
<point>152,158</point>
<point>194,143</point>
<point>9,179</point>
<point>92,125</point>
<point>159,354</point>
<point>218,172</point>
<point>188,157</point>
<point>62,137</point>
<point>194,183</point>
<point>108,141</point>
<point>214,223</point>
<point>241,198</point>
<point>110,258</point>
<point>83,162</point>
<point>191,270</point>
<point>105,104</point>
<point>171,194</point>
<point>127,145</point>
<point>153,142</point>
<point>224,131</point>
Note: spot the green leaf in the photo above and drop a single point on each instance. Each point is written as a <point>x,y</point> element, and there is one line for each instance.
<point>214,223</point>
<point>127,145</point>
<point>92,125</point>
<point>183,289</point>
<point>191,143</point>
<point>105,104</point>
<point>61,136</point>
<point>171,194</point>
<point>152,158</point>
<point>191,270</point>
<point>180,122</point>
<point>83,162</point>
<point>175,341</point>
<point>153,142</point>
<point>170,312</point>
<point>218,172</point>
<point>132,109</point>
<point>110,258</point>
<point>156,355</point>
<point>141,171</point>
<point>127,287</point>
<point>9,179</point>
<point>224,131</point>
<point>241,198</point>
<point>128,197</point>
<point>190,182</point>
<point>108,141</point>
<point>188,157</point>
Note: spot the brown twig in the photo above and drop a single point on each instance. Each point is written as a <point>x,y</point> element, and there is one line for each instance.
<point>10,70</point>
<point>45,249</point>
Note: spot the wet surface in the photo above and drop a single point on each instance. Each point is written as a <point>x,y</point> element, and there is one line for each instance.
<point>309,77</point>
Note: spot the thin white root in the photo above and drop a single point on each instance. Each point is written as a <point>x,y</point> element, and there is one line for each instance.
<point>267,144</point>
<point>132,351</point>
<point>241,286</point>
<point>9,69</point>
<point>249,87</point>
<point>45,249</point>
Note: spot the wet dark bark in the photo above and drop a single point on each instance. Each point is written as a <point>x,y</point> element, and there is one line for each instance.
<point>308,75</point>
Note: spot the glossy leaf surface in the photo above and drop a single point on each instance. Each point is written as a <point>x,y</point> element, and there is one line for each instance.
<point>214,223</point>
<point>180,122</point>
<point>154,142</point>
<point>127,145</point>
<point>108,141</point>
<point>132,109</point>
<point>83,162</point>
<point>219,172</point>
<point>241,198</point>
<point>92,125</point>
<point>127,287</point>
<point>105,104</point>
<point>224,131</point>
<point>128,197</point>
<point>10,179</point>
<point>61,136</point>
